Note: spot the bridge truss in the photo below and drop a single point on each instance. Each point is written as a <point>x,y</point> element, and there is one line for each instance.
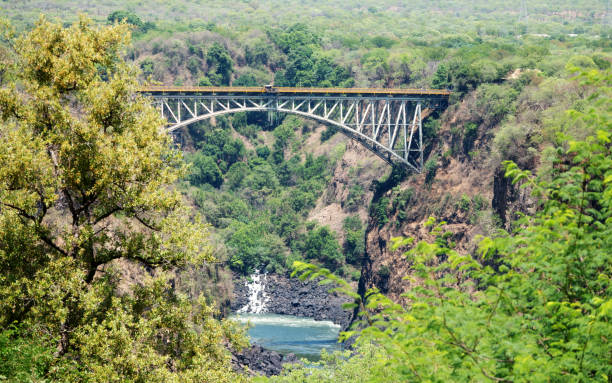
<point>388,124</point>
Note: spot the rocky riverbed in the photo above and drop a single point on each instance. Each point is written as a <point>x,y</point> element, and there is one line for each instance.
<point>259,361</point>
<point>290,296</point>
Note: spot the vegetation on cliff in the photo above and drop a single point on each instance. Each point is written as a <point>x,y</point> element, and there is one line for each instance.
<point>531,305</point>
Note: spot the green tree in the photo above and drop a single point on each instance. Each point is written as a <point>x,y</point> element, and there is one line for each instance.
<point>219,58</point>
<point>125,16</point>
<point>205,171</point>
<point>320,244</point>
<point>85,176</point>
<point>354,241</point>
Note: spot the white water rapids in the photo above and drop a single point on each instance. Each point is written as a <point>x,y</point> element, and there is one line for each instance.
<point>304,337</point>
<point>257,295</point>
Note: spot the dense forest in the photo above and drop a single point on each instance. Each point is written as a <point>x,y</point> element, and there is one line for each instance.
<point>118,242</point>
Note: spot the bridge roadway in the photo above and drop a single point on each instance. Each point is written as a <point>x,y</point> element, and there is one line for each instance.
<point>378,118</point>
<point>287,91</point>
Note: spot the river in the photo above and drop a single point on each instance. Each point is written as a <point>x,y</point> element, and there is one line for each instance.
<point>285,334</point>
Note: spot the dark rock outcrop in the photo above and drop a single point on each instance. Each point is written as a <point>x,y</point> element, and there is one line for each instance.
<point>509,199</point>
<point>290,296</point>
<point>260,361</point>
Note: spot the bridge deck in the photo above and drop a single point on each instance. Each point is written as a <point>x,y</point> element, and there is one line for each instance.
<point>235,90</point>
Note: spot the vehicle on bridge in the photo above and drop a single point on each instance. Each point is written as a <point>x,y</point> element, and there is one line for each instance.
<point>270,88</point>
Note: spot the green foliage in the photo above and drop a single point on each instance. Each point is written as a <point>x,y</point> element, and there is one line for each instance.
<point>86,175</point>
<point>204,170</point>
<point>130,18</point>
<point>219,145</point>
<point>355,197</point>
<point>378,211</point>
<point>470,132</point>
<point>601,61</point>
<point>24,357</point>
<point>204,81</point>
<point>220,63</point>
<point>328,132</point>
<point>354,240</point>
<point>321,244</point>
<point>430,168</point>
<point>495,102</point>
<point>306,64</point>
<point>252,248</point>
<point>247,79</point>
<point>478,202</point>
<point>263,151</point>
<point>464,203</point>
<point>236,174</point>
<point>147,66</point>
<point>402,199</point>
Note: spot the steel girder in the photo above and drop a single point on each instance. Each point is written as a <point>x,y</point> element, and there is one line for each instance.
<point>391,127</point>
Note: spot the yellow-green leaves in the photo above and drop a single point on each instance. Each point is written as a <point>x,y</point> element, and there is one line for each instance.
<point>67,59</point>
<point>86,187</point>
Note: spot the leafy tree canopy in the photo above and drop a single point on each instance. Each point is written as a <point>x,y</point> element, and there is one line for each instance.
<point>85,188</point>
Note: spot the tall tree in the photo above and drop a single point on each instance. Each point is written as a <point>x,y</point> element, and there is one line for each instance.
<point>85,186</point>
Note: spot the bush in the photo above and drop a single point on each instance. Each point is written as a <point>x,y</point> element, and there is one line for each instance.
<point>402,199</point>
<point>321,244</point>
<point>470,132</point>
<point>355,197</point>
<point>328,133</point>
<point>23,358</point>
<point>379,211</point>
<point>354,240</point>
<point>204,170</point>
<point>252,248</point>
<point>479,202</point>
<point>464,203</point>
<point>263,151</point>
<point>430,168</point>
<point>236,173</point>
<point>494,102</point>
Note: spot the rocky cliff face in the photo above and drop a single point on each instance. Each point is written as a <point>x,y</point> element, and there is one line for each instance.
<point>468,191</point>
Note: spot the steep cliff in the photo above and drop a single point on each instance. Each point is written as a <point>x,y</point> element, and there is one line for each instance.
<point>462,184</point>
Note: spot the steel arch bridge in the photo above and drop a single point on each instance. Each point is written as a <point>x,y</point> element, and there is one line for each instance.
<point>386,121</point>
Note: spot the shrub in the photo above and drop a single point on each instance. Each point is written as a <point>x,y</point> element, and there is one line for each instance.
<point>479,202</point>
<point>355,197</point>
<point>354,239</point>
<point>204,170</point>
<point>464,203</point>
<point>320,244</point>
<point>470,132</point>
<point>263,151</point>
<point>494,102</point>
<point>379,211</point>
<point>328,133</point>
<point>236,174</point>
<point>430,168</point>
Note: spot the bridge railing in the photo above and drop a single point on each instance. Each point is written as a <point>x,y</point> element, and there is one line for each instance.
<point>156,89</point>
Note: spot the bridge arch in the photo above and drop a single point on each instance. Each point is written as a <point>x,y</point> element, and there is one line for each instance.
<point>374,146</point>
<point>388,122</point>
